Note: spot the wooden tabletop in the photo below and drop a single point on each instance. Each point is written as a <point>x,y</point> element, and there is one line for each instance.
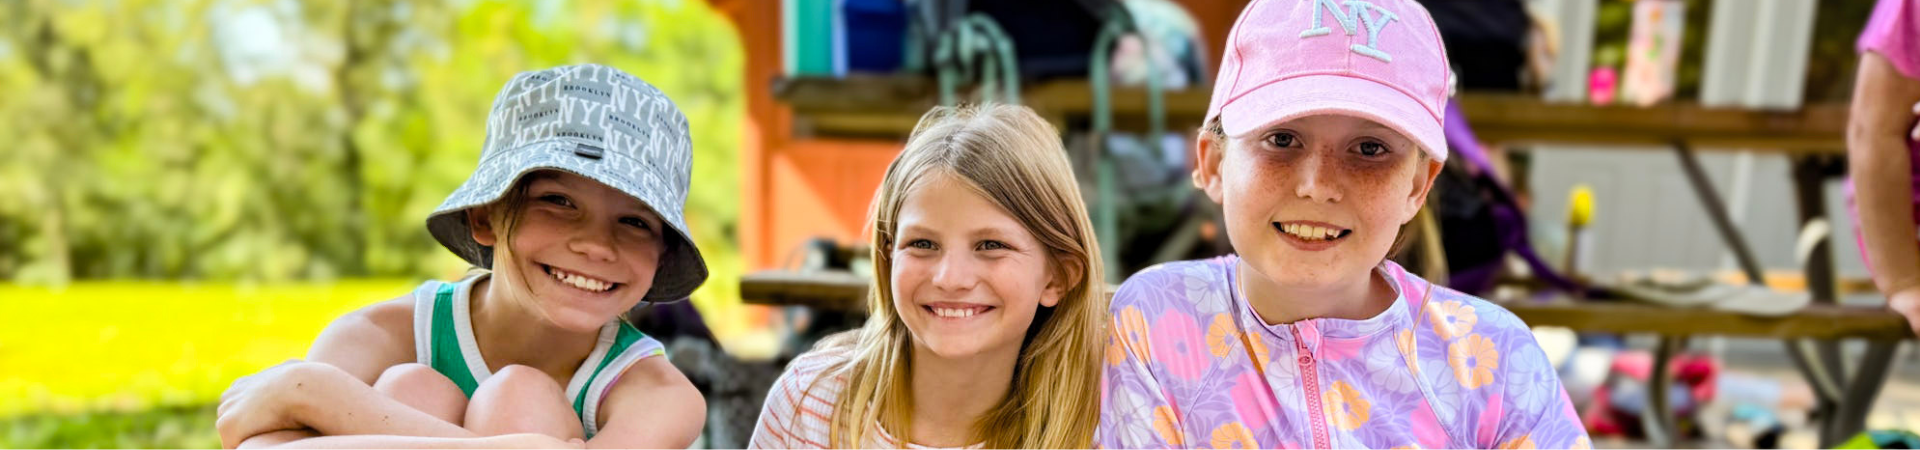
<point>1815,321</point>
<point>843,291</point>
<point>887,106</point>
<point>830,290</point>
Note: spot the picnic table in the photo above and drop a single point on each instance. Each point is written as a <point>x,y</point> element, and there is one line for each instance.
<point>1813,138</point>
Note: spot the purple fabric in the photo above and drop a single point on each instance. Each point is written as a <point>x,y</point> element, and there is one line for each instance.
<point>1509,222</point>
<point>1189,364</point>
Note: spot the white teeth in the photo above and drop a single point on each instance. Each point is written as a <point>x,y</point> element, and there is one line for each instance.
<point>1309,232</point>
<point>579,281</point>
<point>950,312</point>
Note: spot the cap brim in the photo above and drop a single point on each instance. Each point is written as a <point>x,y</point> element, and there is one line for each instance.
<point>1309,95</point>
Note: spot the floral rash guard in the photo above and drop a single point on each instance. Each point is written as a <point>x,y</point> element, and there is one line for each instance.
<point>1189,365</point>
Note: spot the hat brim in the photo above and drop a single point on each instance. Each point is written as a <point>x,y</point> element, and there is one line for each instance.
<point>681,270</point>
<point>1310,95</point>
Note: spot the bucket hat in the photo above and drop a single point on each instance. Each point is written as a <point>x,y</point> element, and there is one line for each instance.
<point>597,122</point>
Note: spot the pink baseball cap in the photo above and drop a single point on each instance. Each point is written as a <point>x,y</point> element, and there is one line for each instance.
<point>1379,60</point>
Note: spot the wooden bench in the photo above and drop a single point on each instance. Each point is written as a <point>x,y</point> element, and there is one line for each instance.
<point>1851,398</point>
<point>1813,137</point>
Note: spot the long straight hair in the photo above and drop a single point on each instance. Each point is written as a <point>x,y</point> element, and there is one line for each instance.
<point>1012,157</point>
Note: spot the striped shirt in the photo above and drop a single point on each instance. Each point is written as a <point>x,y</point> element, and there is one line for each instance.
<point>799,408</point>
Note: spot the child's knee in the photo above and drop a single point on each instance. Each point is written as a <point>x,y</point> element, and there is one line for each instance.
<point>521,399</point>
<point>425,389</point>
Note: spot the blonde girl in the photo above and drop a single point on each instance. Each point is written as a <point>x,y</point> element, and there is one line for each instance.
<point>986,309</point>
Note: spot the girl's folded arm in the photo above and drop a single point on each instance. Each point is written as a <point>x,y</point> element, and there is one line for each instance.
<point>652,405</point>
<point>392,441</point>
<point>335,396</point>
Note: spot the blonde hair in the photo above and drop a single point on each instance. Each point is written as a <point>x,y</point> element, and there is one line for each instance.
<point>1015,160</point>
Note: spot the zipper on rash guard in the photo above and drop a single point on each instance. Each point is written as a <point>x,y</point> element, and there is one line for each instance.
<point>1312,379</point>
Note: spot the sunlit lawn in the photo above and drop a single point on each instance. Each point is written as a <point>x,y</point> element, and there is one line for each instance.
<point>150,357</point>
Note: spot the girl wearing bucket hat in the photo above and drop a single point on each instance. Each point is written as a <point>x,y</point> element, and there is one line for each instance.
<point>1321,143</point>
<point>573,217</point>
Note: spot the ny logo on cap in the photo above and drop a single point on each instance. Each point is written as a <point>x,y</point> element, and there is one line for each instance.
<point>1355,16</point>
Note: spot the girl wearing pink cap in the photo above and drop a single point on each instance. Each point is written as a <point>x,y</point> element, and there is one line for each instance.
<point>1322,140</point>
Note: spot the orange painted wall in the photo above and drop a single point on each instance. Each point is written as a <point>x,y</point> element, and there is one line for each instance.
<point>797,189</point>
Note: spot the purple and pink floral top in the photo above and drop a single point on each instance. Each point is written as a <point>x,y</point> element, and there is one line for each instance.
<point>1189,365</point>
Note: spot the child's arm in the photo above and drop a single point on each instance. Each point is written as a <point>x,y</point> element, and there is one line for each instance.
<point>290,440</point>
<point>1133,414</point>
<point>1878,159</point>
<point>322,398</point>
<point>333,394</point>
<point>651,405</point>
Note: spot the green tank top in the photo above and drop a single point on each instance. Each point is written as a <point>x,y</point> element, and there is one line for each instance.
<point>443,339</point>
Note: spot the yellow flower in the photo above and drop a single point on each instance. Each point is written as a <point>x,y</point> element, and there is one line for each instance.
<point>1345,406</point>
<point>1581,444</point>
<point>1116,354</point>
<point>1524,442</point>
<point>1221,336</point>
<point>1234,435</point>
<point>1473,360</point>
<point>1133,327</point>
<point>1168,426</point>
<point>1452,319</point>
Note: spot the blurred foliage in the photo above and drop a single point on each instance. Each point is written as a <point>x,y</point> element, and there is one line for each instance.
<point>1831,67</point>
<point>191,189</point>
<point>268,141</point>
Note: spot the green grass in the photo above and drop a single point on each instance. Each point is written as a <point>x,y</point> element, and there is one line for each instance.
<point>138,364</point>
<point>167,427</point>
<point>132,346</point>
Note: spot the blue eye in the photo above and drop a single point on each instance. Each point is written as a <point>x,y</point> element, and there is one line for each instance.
<point>991,245</point>
<point>922,244</point>
<point>1372,149</point>
<point>1283,139</point>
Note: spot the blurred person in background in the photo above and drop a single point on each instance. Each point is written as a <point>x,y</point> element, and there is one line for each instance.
<point>1883,153</point>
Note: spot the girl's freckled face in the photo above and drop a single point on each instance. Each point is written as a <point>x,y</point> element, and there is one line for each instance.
<point>1313,201</point>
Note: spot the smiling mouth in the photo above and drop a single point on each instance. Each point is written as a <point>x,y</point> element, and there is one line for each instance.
<point>579,281</point>
<point>957,313</point>
<point>1312,233</point>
